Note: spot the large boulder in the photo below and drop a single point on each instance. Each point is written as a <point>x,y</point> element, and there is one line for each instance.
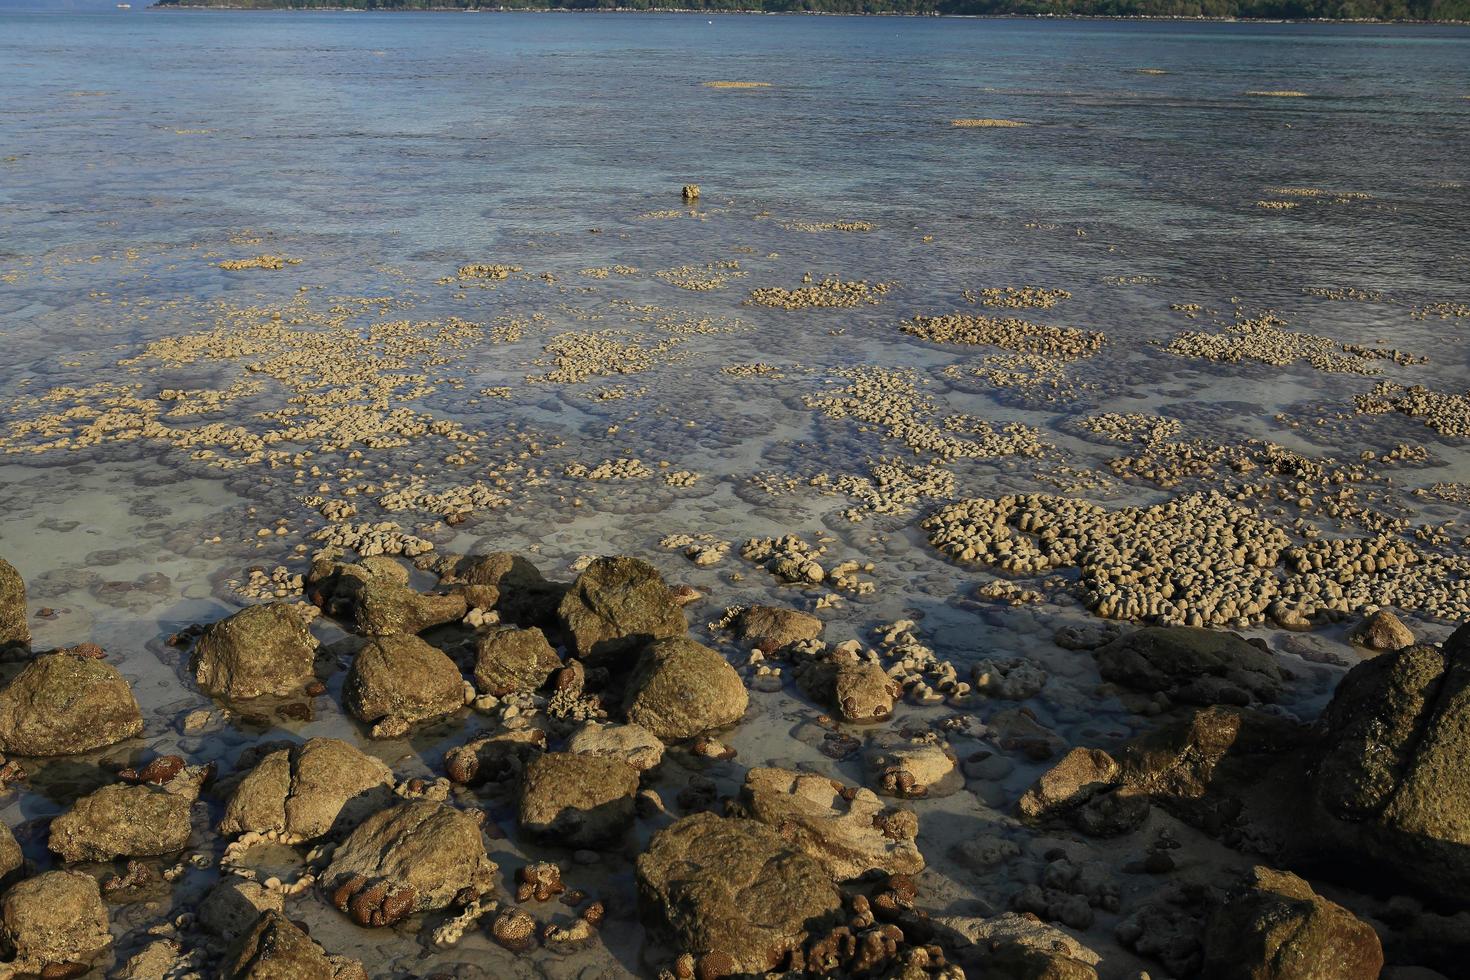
<point>1277,928</point>
<point>276,949</point>
<point>122,821</point>
<point>64,704</point>
<point>1392,776</point>
<point>305,792</point>
<point>15,630</point>
<point>260,650</point>
<point>577,800</point>
<point>681,689</point>
<point>851,832</point>
<point>397,681</point>
<point>513,661</point>
<point>409,858</point>
<point>616,607</point>
<point>710,884</point>
<point>54,919</point>
<point>771,628</point>
<point>1192,664</point>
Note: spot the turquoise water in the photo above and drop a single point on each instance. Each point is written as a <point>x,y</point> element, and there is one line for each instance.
<point>384,151</point>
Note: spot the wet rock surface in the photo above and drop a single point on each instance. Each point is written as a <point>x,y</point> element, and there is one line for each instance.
<point>680,689</point>
<point>64,704</point>
<point>617,606</point>
<point>710,885</point>
<point>259,650</point>
<point>410,857</point>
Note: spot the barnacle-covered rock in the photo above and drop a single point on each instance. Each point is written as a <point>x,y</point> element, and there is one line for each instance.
<point>616,607</point>
<point>396,682</point>
<point>64,704</point>
<point>54,919</point>
<point>850,831</point>
<point>709,884</point>
<point>577,800</point>
<point>409,858</point>
<point>510,660</point>
<point>122,821</point>
<point>309,790</point>
<point>259,650</point>
<point>515,929</point>
<point>681,689</point>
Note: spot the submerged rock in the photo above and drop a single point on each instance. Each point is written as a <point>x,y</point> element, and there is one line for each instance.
<point>1277,928</point>
<point>577,800</point>
<point>409,858</point>
<point>717,885</point>
<point>850,831</point>
<point>54,919</point>
<point>308,791</point>
<point>259,650</point>
<point>15,629</point>
<point>1192,664</point>
<point>616,607</point>
<point>397,681</point>
<point>510,661</point>
<point>681,689</point>
<point>122,821</point>
<point>1392,777</point>
<point>64,704</point>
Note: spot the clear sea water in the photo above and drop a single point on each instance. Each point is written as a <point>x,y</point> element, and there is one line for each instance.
<point>385,150</point>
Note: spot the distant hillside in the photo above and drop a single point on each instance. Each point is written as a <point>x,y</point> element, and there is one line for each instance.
<point>1268,9</point>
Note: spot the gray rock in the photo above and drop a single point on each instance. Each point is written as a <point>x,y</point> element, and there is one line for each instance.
<point>396,682</point>
<point>615,608</point>
<point>710,884</point>
<point>577,800</point>
<point>260,650</point>
<point>681,689</point>
<point>64,704</point>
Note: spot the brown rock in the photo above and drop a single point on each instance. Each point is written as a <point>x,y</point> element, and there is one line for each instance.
<point>681,689</point>
<point>122,821</point>
<point>1382,632</point>
<point>308,791</point>
<point>397,681</point>
<point>259,650</point>
<point>578,800</point>
<point>510,660</point>
<point>616,607</point>
<point>1071,782</point>
<point>54,918</point>
<point>62,704</point>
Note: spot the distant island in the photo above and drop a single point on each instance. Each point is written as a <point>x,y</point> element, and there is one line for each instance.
<point>1413,10</point>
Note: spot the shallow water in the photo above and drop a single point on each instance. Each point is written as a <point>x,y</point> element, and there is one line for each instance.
<point>385,151</point>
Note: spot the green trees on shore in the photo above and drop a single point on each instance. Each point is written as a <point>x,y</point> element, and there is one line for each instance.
<point>1292,9</point>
